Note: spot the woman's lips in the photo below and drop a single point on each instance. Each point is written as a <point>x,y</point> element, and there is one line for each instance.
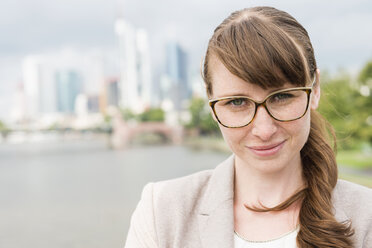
<point>267,150</point>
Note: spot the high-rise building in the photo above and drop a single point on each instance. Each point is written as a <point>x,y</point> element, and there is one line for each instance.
<point>68,85</point>
<point>18,112</point>
<point>135,72</point>
<point>144,69</point>
<point>177,88</point>
<point>93,103</point>
<point>31,75</point>
<point>111,93</point>
<point>39,86</point>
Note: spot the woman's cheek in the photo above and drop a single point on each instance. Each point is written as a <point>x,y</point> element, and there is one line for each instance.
<point>234,137</point>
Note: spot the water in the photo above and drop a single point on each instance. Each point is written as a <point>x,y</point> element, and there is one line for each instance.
<point>79,193</point>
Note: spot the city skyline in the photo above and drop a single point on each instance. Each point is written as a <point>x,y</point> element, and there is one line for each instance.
<point>71,85</point>
<point>335,27</point>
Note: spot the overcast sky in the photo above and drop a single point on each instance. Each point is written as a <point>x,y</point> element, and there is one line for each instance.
<point>339,29</point>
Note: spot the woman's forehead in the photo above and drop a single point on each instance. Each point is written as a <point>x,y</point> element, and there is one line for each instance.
<point>224,83</point>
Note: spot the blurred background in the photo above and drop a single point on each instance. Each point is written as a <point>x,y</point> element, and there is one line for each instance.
<point>97,98</point>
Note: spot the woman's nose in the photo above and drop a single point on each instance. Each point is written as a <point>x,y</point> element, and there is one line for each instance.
<point>263,125</point>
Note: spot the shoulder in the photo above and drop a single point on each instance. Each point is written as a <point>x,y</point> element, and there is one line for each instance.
<point>168,213</point>
<point>189,183</point>
<point>177,195</point>
<point>164,206</point>
<point>181,193</point>
<point>353,196</point>
<point>353,202</point>
<point>188,192</point>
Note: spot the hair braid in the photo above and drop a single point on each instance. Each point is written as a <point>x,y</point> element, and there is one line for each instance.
<point>318,226</point>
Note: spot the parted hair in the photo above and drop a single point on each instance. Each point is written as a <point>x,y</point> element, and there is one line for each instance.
<point>268,47</point>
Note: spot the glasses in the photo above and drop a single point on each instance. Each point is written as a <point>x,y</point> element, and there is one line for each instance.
<point>282,105</point>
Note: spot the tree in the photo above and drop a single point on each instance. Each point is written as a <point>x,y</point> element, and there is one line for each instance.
<point>2,126</point>
<point>348,111</point>
<point>364,103</point>
<point>127,114</point>
<point>153,114</point>
<point>366,73</point>
<point>4,130</point>
<point>201,118</point>
<point>197,111</point>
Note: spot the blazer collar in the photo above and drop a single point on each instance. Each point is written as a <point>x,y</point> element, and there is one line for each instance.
<point>216,216</point>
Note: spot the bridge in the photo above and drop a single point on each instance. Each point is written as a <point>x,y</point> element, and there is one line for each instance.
<point>123,133</point>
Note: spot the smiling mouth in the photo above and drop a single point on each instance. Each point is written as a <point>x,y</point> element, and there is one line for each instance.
<point>268,150</point>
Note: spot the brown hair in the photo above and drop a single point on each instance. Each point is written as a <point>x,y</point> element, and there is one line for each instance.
<point>268,47</point>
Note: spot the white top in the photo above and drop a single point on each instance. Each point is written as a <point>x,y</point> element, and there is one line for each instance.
<point>288,240</point>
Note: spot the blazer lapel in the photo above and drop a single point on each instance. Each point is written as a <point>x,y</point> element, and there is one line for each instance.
<point>216,216</point>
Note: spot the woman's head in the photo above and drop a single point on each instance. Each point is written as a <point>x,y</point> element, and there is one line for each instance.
<point>263,46</point>
<point>253,54</point>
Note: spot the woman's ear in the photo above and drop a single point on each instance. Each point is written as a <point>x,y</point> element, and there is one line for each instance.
<point>316,91</point>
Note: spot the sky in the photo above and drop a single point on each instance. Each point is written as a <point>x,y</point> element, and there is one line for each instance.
<point>339,29</point>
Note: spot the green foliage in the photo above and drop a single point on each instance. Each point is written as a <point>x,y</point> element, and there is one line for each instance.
<point>347,110</point>
<point>201,118</point>
<point>366,73</point>
<point>197,111</point>
<point>3,127</point>
<point>153,114</point>
<point>4,130</point>
<point>150,115</point>
<point>53,126</point>
<point>107,119</point>
<point>127,114</point>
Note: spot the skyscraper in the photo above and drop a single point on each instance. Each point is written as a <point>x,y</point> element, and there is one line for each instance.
<point>143,68</point>
<point>68,85</point>
<point>176,73</point>
<point>39,86</point>
<point>111,93</point>
<point>135,72</point>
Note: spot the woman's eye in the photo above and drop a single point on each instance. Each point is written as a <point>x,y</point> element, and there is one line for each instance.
<point>237,102</point>
<point>281,96</point>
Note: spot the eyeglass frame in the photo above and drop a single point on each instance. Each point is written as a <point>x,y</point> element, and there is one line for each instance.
<point>308,90</point>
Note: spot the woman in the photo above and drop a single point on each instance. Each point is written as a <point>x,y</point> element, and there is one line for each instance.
<point>280,187</point>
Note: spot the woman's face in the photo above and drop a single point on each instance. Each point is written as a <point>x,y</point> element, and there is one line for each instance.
<point>265,144</point>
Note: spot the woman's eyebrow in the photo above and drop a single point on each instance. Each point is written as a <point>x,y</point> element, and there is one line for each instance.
<point>233,95</point>
<point>251,94</point>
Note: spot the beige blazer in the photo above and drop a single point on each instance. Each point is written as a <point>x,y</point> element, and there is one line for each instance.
<point>197,211</point>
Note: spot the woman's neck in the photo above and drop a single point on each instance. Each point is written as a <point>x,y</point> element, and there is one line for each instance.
<point>253,187</point>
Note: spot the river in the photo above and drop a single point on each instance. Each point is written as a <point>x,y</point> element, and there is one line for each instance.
<point>79,193</point>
